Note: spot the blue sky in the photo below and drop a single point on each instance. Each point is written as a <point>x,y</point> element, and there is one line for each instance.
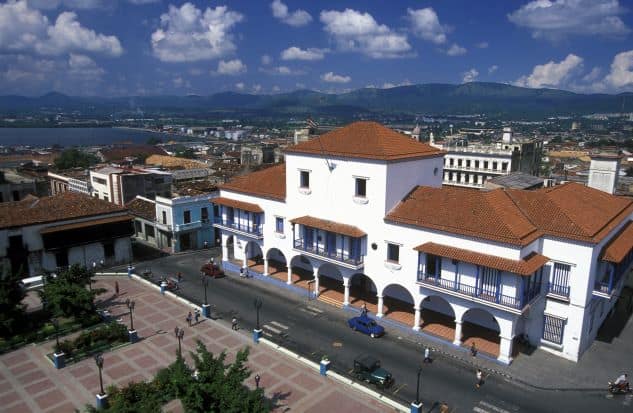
<point>148,47</point>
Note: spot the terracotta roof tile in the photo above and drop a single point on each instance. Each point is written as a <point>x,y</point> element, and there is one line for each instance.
<point>245,206</point>
<point>120,153</point>
<point>84,224</point>
<point>64,206</point>
<point>619,246</point>
<point>368,140</point>
<point>142,208</point>
<point>267,183</point>
<point>525,266</point>
<point>174,162</point>
<point>330,226</point>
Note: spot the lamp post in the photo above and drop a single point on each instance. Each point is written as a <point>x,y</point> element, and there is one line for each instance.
<point>102,397</point>
<point>205,307</point>
<point>132,334</point>
<point>257,332</point>
<point>55,323</point>
<point>416,406</point>
<point>59,358</point>
<point>179,333</point>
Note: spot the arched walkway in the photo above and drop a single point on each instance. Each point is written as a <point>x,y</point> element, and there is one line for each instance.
<point>437,317</point>
<point>301,273</point>
<point>230,247</point>
<point>277,264</point>
<point>254,255</point>
<point>331,288</point>
<point>363,290</point>
<point>398,304</point>
<point>481,327</point>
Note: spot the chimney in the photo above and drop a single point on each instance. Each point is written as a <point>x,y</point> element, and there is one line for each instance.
<point>604,171</point>
<point>507,135</point>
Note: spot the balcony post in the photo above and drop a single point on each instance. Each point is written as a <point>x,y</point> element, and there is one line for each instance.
<point>416,321</point>
<point>477,282</point>
<point>266,267</point>
<point>225,248</point>
<point>315,271</point>
<point>505,350</point>
<point>458,333</point>
<point>379,312</point>
<point>289,282</point>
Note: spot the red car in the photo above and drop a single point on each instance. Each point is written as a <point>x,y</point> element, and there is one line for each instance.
<point>212,270</point>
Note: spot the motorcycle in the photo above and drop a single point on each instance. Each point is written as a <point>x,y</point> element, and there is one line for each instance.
<point>622,388</point>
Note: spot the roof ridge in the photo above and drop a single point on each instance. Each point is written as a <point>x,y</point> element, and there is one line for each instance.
<point>523,214</point>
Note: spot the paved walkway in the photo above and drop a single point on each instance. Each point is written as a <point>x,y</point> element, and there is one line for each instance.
<point>30,383</point>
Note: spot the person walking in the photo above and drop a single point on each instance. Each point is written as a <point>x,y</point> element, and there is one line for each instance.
<point>189,318</point>
<point>427,355</point>
<point>363,309</point>
<point>257,378</point>
<point>116,288</point>
<point>234,324</point>
<point>473,349</point>
<point>197,315</point>
<point>179,276</point>
<point>480,378</point>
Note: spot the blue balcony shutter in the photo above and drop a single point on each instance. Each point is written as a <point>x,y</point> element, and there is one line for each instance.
<point>356,248</point>
<point>331,243</point>
<point>560,277</point>
<point>308,237</point>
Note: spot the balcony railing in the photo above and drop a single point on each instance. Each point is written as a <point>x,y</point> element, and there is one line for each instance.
<point>477,169</point>
<point>342,256</point>
<point>472,291</point>
<point>250,228</point>
<point>188,226</point>
<point>561,290</point>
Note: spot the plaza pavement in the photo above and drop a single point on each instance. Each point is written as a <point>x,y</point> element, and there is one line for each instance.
<point>30,383</point>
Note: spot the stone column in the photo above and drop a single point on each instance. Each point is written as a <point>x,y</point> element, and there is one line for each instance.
<point>380,304</point>
<point>346,294</point>
<point>245,261</point>
<point>315,271</point>
<point>225,249</point>
<point>416,322</point>
<point>505,350</point>
<point>289,282</point>
<point>266,266</point>
<point>458,333</point>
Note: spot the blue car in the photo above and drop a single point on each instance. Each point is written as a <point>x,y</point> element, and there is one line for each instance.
<point>366,325</point>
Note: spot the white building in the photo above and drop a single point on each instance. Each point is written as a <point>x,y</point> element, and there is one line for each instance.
<point>359,215</point>
<point>120,186</point>
<point>76,180</point>
<point>471,165</point>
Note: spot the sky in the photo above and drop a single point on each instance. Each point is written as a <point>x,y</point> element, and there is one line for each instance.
<point>172,47</point>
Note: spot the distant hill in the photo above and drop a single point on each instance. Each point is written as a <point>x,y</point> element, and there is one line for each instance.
<point>470,98</point>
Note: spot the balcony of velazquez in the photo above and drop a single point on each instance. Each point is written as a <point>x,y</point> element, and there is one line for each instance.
<point>616,258</point>
<point>238,217</point>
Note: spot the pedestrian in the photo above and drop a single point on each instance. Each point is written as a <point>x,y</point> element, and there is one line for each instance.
<point>427,355</point>
<point>197,315</point>
<point>444,408</point>
<point>234,324</point>
<point>206,244</point>
<point>248,273</point>
<point>473,349</point>
<point>363,309</point>
<point>179,276</point>
<point>189,318</point>
<point>480,378</point>
<point>257,378</point>
<point>212,260</point>
<point>116,288</point>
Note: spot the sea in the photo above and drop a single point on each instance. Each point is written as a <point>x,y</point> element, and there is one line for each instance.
<point>67,137</point>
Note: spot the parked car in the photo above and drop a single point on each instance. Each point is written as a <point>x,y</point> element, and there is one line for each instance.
<point>367,368</point>
<point>212,270</point>
<point>366,325</point>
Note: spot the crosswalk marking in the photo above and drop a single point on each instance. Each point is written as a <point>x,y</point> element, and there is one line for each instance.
<point>317,310</point>
<point>270,328</point>
<point>278,324</point>
<point>487,408</point>
<point>311,310</point>
<point>274,328</point>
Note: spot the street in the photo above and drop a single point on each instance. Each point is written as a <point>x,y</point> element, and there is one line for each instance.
<point>313,329</point>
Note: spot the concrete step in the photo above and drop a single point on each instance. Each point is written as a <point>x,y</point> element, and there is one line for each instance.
<point>330,301</point>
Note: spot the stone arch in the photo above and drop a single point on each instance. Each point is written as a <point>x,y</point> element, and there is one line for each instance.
<point>301,271</point>
<point>481,327</point>
<point>398,303</point>
<point>277,263</point>
<point>230,247</point>
<point>253,253</point>
<point>437,317</point>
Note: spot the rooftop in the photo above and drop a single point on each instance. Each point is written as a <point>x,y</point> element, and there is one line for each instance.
<point>367,140</point>
<point>64,206</point>
<point>134,151</point>
<point>268,183</point>
<point>191,188</point>
<point>173,162</point>
<point>142,208</point>
<point>516,180</point>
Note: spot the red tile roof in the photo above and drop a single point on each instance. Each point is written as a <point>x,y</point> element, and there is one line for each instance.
<point>368,140</point>
<point>267,183</point>
<point>619,246</point>
<point>142,208</point>
<point>526,266</point>
<point>330,226</point>
<point>83,224</point>
<point>64,206</point>
<point>120,153</point>
<point>245,206</point>
<point>516,217</point>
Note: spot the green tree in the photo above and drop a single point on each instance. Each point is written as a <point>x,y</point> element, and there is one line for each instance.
<point>12,313</point>
<point>66,294</point>
<point>186,153</point>
<point>74,158</point>
<point>153,140</point>
<point>629,171</point>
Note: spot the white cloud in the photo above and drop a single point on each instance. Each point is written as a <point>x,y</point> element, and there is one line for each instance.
<point>551,74</point>
<point>621,74</point>
<point>470,75</point>
<point>554,19</point>
<point>492,69</point>
<point>23,29</point>
<point>276,89</point>
<point>266,59</point>
<point>83,67</point>
<point>231,67</point>
<point>280,70</point>
<point>330,77</point>
<point>593,75</point>
<point>296,53</point>
<point>390,85</point>
<point>187,34</point>
<point>482,45</point>
<point>71,4</point>
<point>179,82</point>
<point>240,86</point>
<point>297,18</point>
<point>356,31</point>
<point>426,24</point>
<point>257,88</point>
<point>456,50</point>
<point>138,2</point>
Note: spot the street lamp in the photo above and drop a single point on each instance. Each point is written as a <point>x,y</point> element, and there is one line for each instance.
<point>99,361</point>
<point>180,333</point>
<point>205,282</point>
<point>417,389</point>
<point>130,305</point>
<point>258,304</point>
<point>55,323</point>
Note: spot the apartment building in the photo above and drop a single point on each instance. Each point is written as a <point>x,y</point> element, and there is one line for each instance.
<point>360,215</point>
<point>75,180</point>
<point>120,186</point>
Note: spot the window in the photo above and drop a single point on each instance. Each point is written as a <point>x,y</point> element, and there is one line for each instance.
<point>459,162</point>
<point>485,164</point>
<point>476,164</point>
<point>504,166</point>
<point>553,329</point>
<point>187,216</point>
<point>450,176</point>
<point>393,252</point>
<point>489,279</point>
<point>279,225</point>
<point>559,283</point>
<point>361,187</point>
<point>467,163</point>
<point>149,231</point>
<point>204,214</point>
<point>304,179</point>
<point>105,198</point>
<point>99,180</point>
<point>494,166</point>
<point>451,161</point>
<point>108,249</point>
<point>61,258</point>
<point>433,265</point>
<point>164,217</point>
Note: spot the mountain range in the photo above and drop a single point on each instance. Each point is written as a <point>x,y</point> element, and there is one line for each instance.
<point>495,99</point>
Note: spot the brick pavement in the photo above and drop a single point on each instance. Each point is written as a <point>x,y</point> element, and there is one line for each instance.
<point>30,383</point>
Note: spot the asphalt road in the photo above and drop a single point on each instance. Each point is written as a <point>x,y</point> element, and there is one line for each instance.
<point>314,329</point>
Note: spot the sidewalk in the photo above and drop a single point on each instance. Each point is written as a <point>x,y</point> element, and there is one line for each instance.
<point>30,383</point>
